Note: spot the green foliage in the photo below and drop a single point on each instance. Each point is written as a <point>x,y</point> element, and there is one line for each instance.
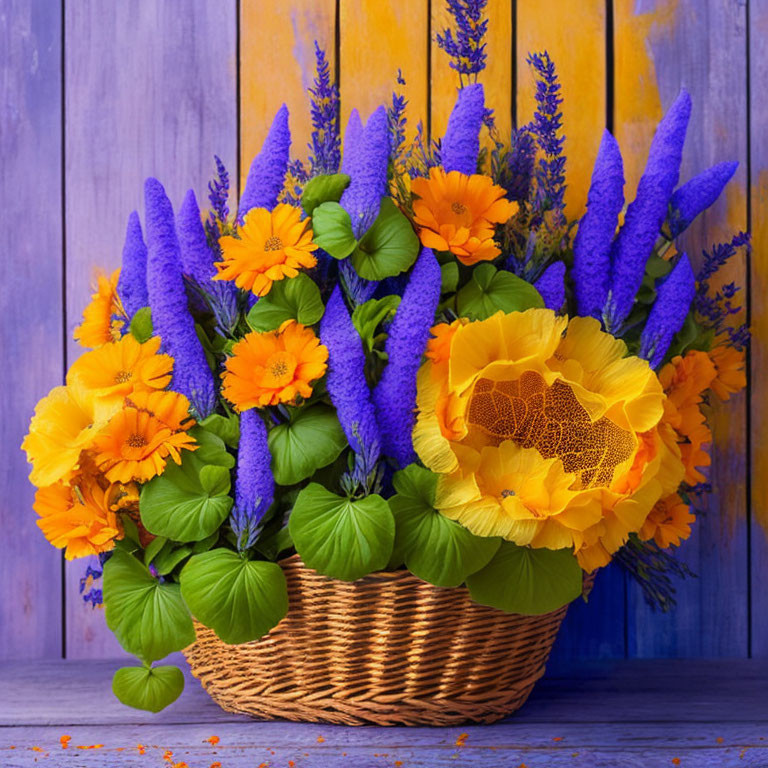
<point>434,548</point>
<point>367,317</point>
<point>312,439</point>
<point>239,599</point>
<point>491,290</point>
<point>297,299</point>
<point>148,618</point>
<point>449,277</point>
<point>323,189</point>
<point>389,247</point>
<point>527,581</point>
<point>150,688</point>
<point>141,325</point>
<point>227,428</point>
<point>340,537</point>
<point>332,230</point>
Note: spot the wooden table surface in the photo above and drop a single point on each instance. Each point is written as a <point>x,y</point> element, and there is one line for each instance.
<point>617,714</point>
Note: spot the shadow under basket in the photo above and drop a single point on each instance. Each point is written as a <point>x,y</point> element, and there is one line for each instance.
<point>388,649</point>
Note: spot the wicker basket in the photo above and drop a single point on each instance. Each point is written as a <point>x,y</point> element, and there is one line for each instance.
<point>388,649</point>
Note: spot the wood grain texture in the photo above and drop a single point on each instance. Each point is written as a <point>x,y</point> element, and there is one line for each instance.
<point>701,46</point>
<point>150,91</point>
<point>30,305</point>
<point>277,65</point>
<point>497,78</point>
<point>574,34</point>
<point>758,191</point>
<point>377,39</point>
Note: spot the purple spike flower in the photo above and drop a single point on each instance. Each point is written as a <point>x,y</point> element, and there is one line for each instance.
<point>666,318</point>
<point>551,286</point>
<point>697,195</point>
<point>325,153</point>
<point>346,382</point>
<point>353,138</point>
<point>522,156</point>
<point>168,302</point>
<point>467,49</point>
<point>132,284</point>
<point>267,174</point>
<point>461,143</point>
<point>647,213</point>
<point>254,483</point>
<point>592,244</point>
<point>395,394</point>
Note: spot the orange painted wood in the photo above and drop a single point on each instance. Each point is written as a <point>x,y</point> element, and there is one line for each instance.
<point>496,78</point>
<point>277,65</point>
<point>699,44</point>
<point>574,34</point>
<point>375,40</point>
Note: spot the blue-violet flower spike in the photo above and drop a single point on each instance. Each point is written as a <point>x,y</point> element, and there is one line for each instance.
<point>461,143</point>
<point>696,195</point>
<point>132,284</point>
<point>551,286</point>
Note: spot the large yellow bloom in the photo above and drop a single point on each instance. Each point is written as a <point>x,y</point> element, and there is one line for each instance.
<point>77,518</point>
<point>271,245</point>
<point>111,373</point>
<point>101,318</point>
<point>458,213</point>
<point>544,432</point>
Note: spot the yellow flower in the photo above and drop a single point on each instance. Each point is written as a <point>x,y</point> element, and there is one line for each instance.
<point>101,323</point>
<point>138,440</point>
<point>544,432</point>
<point>77,518</point>
<point>272,245</point>
<point>668,523</point>
<point>61,428</point>
<point>274,367</point>
<point>111,373</point>
<point>458,213</point>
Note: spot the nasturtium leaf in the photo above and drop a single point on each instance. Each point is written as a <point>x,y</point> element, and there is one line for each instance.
<point>434,548</point>
<point>657,267</point>
<point>211,448</point>
<point>389,247</point>
<point>225,427</point>
<point>153,549</point>
<point>150,688</point>
<point>323,189</point>
<point>188,502</point>
<point>297,299</point>
<point>239,599</point>
<point>170,556</point>
<point>340,537</point>
<point>311,440</point>
<point>141,325</point>
<point>449,273</point>
<point>332,230</point>
<point>490,290</point>
<point>148,617</point>
<point>527,581</point>
<point>367,317</point>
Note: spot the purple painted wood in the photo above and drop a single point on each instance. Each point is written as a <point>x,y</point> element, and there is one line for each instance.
<point>30,305</point>
<point>150,91</point>
<point>703,48</point>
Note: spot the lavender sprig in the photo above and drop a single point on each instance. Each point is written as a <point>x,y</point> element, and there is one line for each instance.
<point>325,147</point>
<point>132,283</point>
<point>218,196</point>
<point>396,120</point>
<point>519,173</point>
<point>466,49</point>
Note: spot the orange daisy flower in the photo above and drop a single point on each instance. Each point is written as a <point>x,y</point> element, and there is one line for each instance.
<point>458,213</point>
<point>77,518</point>
<point>274,367</point>
<point>271,245</point>
<point>731,377</point>
<point>112,372</point>
<point>99,325</point>
<point>668,523</point>
<point>138,440</point>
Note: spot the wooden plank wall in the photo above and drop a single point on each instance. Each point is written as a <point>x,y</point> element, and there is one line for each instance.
<point>96,96</point>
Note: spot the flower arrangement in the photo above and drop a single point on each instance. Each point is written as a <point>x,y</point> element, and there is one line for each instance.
<point>402,355</point>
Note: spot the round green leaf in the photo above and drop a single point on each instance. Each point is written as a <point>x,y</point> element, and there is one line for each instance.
<point>323,189</point>
<point>332,230</point>
<point>527,581</point>
<point>490,290</point>
<point>148,618</point>
<point>297,298</point>
<point>187,502</point>
<point>150,688</point>
<point>311,440</point>
<point>211,448</point>
<point>389,247</point>
<point>239,599</point>
<point>141,325</point>
<point>225,427</point>
<point>339,537</point>
<point>434,548</point>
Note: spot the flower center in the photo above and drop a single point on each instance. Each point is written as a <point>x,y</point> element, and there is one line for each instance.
<point>136,441</point>
<point>506,493</point>
<point>279,370</point>
<point>122,377</point>
<point>273,243</point>
<point>458,208</point>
